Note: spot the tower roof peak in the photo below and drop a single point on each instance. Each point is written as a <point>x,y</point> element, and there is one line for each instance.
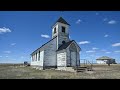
<point>61,20</point>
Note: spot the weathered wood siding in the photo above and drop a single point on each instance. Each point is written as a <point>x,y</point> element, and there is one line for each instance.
<point>78,59</point>
<point>50,53</point>
<point>101,61</point>
<point>61,58</point>
<point>73,59</point>
<point>68,57</point>
<point>73,56</point>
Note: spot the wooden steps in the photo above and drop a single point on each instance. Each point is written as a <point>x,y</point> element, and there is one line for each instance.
<point>82,69</point>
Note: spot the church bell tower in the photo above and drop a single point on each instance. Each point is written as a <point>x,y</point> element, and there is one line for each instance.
<point>61,30</point>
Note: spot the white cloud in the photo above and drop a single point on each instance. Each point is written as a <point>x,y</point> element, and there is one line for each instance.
<point>90,51</point>
<point>108,52</point>
<point>97,13</point>
<point>105,19</point>
<point>22,57</point>
<point>94,48</point>
<point>116,44</point>
<point>117,51</point>
<point>69,36</point>
<point>106,35</point>
<point>83,42</point>
<point>45,36</point>
<point>7,52</point>
<point>12,44</point>
<point>0,56</point>
<point>78,21</point>
<point>6,56</point>
<point>112,22</point>
<point>4,30</point>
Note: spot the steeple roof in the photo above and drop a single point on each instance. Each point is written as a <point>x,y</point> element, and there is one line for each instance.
<point>61,20</point>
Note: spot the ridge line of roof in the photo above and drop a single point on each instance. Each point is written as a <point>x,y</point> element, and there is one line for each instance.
<point>43,45</point>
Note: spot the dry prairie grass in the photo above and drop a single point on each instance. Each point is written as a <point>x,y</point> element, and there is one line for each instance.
<point>99,72</point>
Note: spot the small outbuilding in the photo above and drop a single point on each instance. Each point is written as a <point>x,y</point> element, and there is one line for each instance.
<point>105,60</point>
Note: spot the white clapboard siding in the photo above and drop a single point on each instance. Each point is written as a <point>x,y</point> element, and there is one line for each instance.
<point>61,59</point>
<point>50,54</point>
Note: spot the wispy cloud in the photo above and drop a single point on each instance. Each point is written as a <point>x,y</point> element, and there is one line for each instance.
<point>94,48</point>
<point>105,19</point>
<point>12,44</point>
<point>106,35</point>
<point>7,52</point>
<point>117,51</point>
<point>69,36</point>
<point>92,55</point>
<point>112,22</point>
<point>22,57</point>
<point>103,50</point>
<point>107,52</point>
<point>90,51</point>
<point>78,21</point>
<point>4,30</point>
<point>116,44</point>
<point>45,36</point>
<point>96,13</point>
<point>0,56</point>
<point>83,42</point>
<point>6,56</point>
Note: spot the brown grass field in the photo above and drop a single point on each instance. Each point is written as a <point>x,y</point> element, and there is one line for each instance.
<point>9,71</point>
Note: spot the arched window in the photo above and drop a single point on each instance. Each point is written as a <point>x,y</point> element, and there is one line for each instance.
<point>63,42</point>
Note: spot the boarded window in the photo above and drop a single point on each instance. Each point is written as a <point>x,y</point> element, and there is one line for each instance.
<point>63,29</point>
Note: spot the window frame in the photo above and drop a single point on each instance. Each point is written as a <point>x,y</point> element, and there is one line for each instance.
<point>39,56</point>
<point>63,30</point>
<point>54,30</point>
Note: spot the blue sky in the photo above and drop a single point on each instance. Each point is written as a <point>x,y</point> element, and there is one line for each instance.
<point>96,32</point>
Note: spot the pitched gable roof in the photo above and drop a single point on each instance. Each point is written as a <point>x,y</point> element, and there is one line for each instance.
<point>104,58</point>
<point>61,20</point>
<point>65,45</point>
<point>44,44</point>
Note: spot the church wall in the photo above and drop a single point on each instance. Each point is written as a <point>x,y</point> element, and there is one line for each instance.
<point>50,53</point>
<point>68,57</point>
<point>63,36</point>
<point>55,34</point>
<point>78,59</point>
<point>75,55</point>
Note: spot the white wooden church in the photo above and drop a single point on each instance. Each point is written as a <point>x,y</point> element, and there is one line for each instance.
<point>60,52</point>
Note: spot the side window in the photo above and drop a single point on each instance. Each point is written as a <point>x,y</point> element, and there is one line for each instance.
<point>32,58</point>
<point>36,56</point>
<point>63,29</point>
<point>39,56</point>
<point>54,30</point>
